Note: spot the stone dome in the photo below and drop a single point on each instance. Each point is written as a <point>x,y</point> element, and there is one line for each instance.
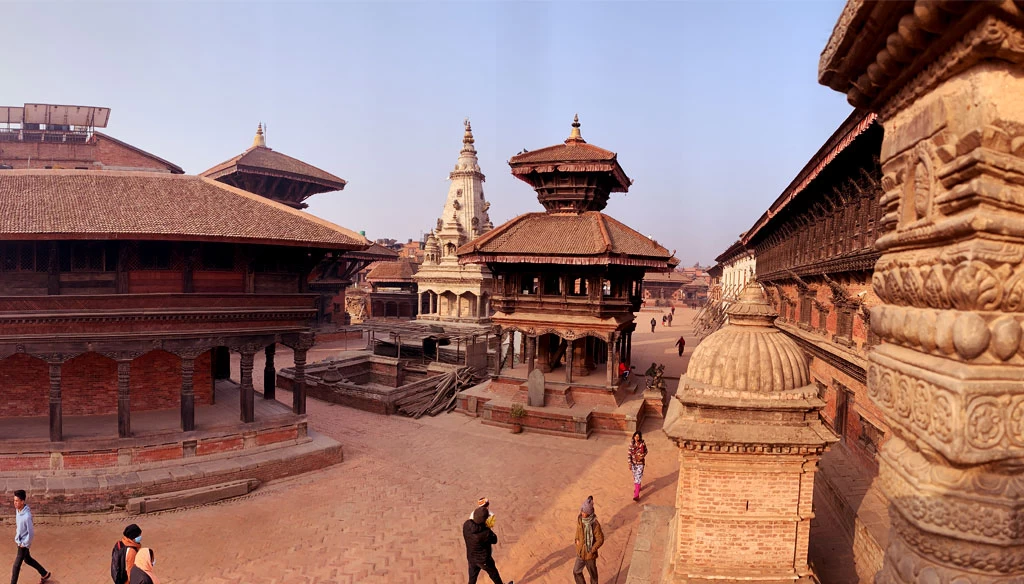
<point>431,244</point>
<point>749,354</point>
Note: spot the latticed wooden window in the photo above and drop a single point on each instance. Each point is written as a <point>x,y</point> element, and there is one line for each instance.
<point>806,303</point>
<point>870,435</point>
<point>844,322</point>
<point>842,407</point>
<point>23,257</point>
<point>153,255</point>
<point>218,257</point>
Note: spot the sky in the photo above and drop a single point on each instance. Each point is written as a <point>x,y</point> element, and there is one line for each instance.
<point>712,106</point>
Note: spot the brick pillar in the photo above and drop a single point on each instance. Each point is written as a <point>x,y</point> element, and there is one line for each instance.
<point>188,399</point>
<point>299,384</point>
<point>947,87</point>
<point>56,411</point>
<point>269,374</point>
<point>245,391</point>
<point>124,414</point>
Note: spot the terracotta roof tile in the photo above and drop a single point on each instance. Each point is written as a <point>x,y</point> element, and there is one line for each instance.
<point>572,151</point>
<point>263,160</point>
<point>568,236</point>
<point>400,271</point>
<point>90,204</point>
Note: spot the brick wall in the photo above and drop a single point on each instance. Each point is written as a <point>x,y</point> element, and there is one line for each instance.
<point>737,514</point>
<point>89,384</point>
<point>25,383</point>
<point>98,153</point>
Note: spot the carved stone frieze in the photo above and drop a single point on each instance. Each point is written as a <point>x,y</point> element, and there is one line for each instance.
<point>968,421</point>
<point>984,338</point>
<point>966,555</point>
<point>975,504</point>
<point>911,565</point>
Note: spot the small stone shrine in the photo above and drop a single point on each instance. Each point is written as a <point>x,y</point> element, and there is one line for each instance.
<point>746,418</point>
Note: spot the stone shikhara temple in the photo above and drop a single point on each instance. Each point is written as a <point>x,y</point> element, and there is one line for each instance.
<point>122,294</point>
<point>451,291</point>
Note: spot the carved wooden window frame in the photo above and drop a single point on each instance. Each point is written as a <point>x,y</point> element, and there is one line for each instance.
<point>844,325</point>
<point>844,404</point>
<point>871,436</point>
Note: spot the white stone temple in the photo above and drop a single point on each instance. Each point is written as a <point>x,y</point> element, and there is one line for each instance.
<point>448,291</point>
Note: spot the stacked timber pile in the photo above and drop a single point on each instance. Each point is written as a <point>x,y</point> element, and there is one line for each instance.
<point>435,399</point>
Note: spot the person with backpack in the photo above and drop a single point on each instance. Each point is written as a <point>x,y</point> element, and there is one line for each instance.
<point>142,571</point>
<point>122,557</point>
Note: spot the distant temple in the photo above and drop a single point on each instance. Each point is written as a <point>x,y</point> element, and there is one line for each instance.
<point>450,291</point>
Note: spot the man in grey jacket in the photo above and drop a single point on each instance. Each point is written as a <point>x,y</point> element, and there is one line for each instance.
<point>23,537</point>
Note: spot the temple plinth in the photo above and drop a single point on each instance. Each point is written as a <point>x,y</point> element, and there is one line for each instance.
<point>945,80</point>
<point>746,419</point>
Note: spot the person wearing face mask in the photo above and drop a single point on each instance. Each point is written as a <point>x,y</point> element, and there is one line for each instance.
<point>122,557</point>
<point>142,571</point>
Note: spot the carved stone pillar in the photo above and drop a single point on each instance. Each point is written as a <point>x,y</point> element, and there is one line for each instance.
<point>612,366</point>
<point>498,357</point>
<point>56,410</point>
<point>124,414</point>
<point>569,352</point>
<point>188,399</point>
<point>531,350</point>
<point>269,374</point>
<point>246,394</point>
<point>947,87</point>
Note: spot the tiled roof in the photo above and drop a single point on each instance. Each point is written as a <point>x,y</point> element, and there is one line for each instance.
<point>400,271</point>
<point>571,151</point>
<point>91,204</point>
<point>589,237</point>
<point>376,251</point>
<point>263,160</point>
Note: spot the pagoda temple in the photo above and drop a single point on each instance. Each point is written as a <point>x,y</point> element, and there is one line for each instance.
<point>568,279</point>
<point>449,290</point>
<point>122,294</point>
<point>290,181</point>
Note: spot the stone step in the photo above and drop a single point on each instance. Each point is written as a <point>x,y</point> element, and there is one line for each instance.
<point>650,546</point>
<point>191,497</point>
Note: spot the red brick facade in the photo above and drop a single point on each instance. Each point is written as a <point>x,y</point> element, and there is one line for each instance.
<point>100,152</point>
<point>89,384</point>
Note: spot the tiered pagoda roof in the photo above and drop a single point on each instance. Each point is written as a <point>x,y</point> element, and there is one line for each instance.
<point>274,175</point>
<point>573,181</point>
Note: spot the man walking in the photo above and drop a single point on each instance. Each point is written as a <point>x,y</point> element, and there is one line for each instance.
<point>122,557</point>
<point>23,535</point>
<point>653,322</point>
<point>479,539</point>
<point>589,538</point>
<point>681,343</point>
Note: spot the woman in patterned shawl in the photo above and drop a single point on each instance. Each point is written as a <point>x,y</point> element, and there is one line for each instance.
<point>637,454</point>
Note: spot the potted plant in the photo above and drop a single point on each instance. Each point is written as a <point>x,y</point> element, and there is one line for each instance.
<point>517,413</point>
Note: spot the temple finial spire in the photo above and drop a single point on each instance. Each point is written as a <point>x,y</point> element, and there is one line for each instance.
<point>467,138</point>
<point>575,135</point>
<point>259,140</point>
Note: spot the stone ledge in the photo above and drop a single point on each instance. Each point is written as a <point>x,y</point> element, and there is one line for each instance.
<point>191,497</point>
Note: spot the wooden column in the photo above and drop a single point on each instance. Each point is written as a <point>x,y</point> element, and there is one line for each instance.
<point>53,271</point>
<point>56,413</point>
<point>570,350</point>
<point>511,355</point>
<point>629,348</point>
<point>299,384</point>
<point>269,374</point>
<point>531,351</point>
<point>124,420</point>
<point>188,399</point>
<point>245,391</point>
<point>613,368</point>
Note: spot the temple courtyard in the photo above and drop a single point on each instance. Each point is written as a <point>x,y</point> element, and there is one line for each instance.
<point>392,511</point>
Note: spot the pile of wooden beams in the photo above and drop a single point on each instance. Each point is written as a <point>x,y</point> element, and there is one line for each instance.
<point>435,399</point>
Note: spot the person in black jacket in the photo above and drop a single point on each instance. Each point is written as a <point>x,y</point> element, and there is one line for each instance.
<point>479,539</point>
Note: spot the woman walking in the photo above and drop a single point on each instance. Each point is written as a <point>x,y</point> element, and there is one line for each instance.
<point>142,571</point>
<point>637,454</point>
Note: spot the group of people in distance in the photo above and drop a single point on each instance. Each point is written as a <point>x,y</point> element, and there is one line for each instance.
<point>130,563</point>
<point>479,535</point>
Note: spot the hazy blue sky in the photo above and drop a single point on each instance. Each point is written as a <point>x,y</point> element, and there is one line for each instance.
<point>713,107</point>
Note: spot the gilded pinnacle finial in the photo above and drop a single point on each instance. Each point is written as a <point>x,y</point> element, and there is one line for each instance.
<point>467,138</point>
<point>259,140</point>
<point>575,135</point>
